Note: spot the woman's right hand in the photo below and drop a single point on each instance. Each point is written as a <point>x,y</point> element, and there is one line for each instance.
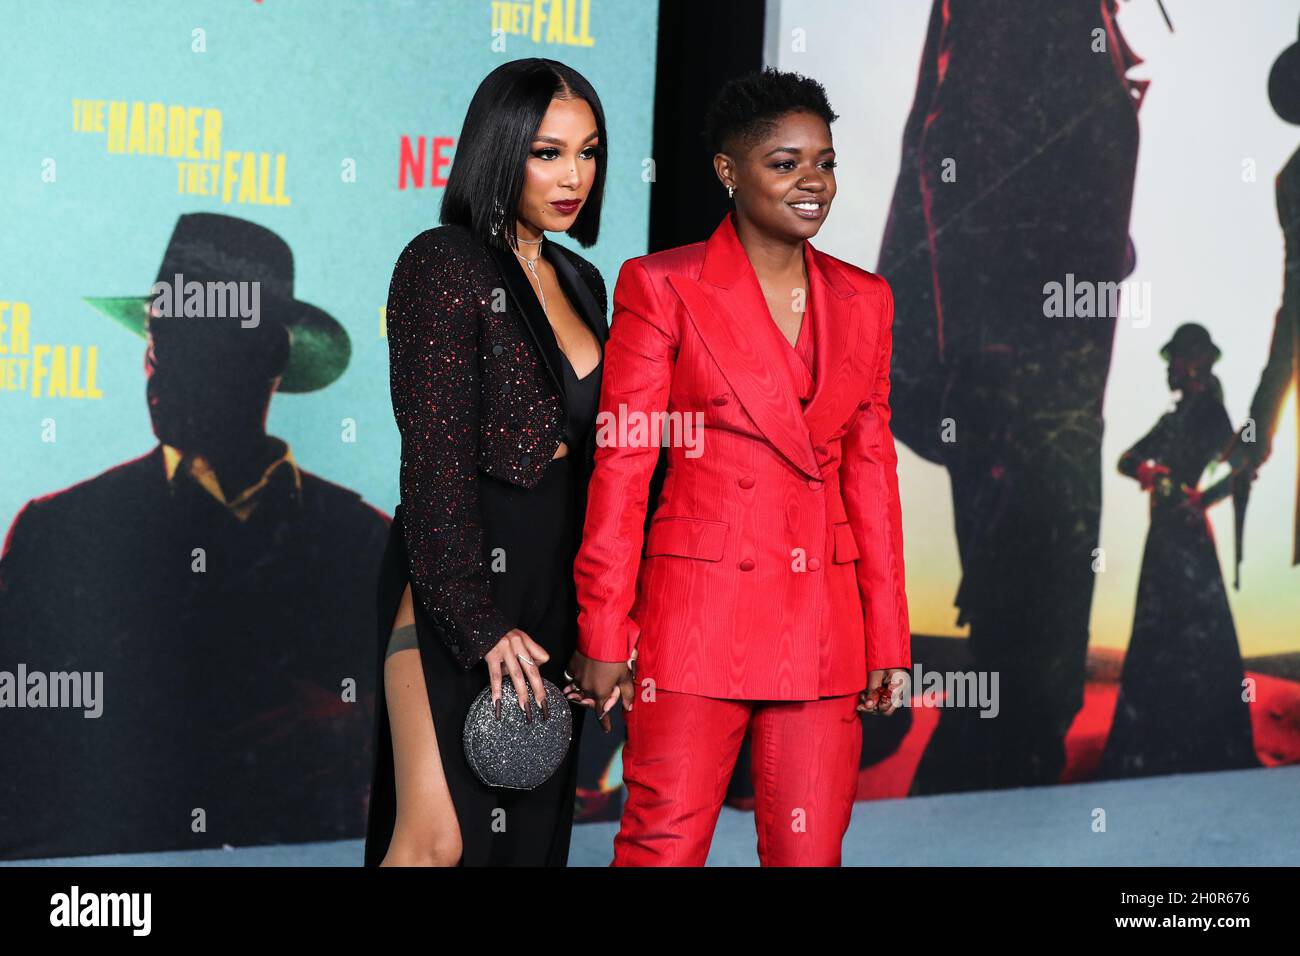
<point>520,656</point>
<point>599,684</point>
<point>1149,471</point>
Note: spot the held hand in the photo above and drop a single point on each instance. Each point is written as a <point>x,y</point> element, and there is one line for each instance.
<point>520,656</point>
<point>600,684</point>
<point>884,693</point>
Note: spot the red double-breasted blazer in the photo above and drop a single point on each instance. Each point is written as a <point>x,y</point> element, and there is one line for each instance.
<point>773,564</point>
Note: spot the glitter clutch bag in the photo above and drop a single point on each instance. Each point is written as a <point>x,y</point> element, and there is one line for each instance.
<point>512,752</point>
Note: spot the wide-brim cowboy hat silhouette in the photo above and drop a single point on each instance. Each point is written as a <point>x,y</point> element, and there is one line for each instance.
<point>210,247</point>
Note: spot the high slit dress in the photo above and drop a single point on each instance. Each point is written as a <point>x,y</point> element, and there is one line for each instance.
<point>538,530</point>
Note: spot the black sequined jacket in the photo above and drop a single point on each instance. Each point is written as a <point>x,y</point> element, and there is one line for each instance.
<point>477,386</point>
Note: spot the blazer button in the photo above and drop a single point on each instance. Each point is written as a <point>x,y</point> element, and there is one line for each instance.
<point>746,482</point>
<point>814,483</point>
<point>822,451</point>
<point>505,386</point>
<point>498,349</point>
<point>862,406</point>
<point>719,399</point>
<point>525,460</point>
<point>814,564</point>
<point>746,565</point>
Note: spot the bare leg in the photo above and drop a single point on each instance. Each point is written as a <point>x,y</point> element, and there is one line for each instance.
<point>426,832</point>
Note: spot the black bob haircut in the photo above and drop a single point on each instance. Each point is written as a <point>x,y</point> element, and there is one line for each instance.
<point>748,107</point>
<point>487,173</point>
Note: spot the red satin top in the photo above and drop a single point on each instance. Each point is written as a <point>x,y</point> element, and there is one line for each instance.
<point>800,358</point>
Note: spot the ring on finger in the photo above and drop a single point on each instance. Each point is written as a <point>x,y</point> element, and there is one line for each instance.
<point>525,660</point>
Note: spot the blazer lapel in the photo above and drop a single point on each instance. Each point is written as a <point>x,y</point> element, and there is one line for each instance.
<point>585,303</point>
<point>578,291</point>
<point>727,308</point>
<point>836,317</point>
<point>524,294</point>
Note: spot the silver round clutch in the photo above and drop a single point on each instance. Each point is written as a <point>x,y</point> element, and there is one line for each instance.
<point>511,752</point>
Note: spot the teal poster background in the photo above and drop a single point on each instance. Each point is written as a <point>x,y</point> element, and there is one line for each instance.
<point>320,84</point>
<point>308,119</point>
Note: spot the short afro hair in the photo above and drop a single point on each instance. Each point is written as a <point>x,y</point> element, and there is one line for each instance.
<point>748,107</point>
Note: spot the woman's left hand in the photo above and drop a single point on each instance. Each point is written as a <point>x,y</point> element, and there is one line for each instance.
<point>884,693</point>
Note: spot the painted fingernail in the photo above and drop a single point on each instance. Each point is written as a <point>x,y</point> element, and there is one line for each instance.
<point>546,709</point>
<point>498,708</point>
<point>528,711</point>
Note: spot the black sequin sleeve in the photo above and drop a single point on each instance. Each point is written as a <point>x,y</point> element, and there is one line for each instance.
<point>433,312</point>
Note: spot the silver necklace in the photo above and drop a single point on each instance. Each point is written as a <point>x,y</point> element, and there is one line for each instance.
<point>532,268</point>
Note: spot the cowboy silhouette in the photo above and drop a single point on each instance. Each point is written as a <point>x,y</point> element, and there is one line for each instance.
<point>1017,171</point>
<point>224,592</point>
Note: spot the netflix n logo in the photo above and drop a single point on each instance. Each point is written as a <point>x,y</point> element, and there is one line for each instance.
<point>420,156</point>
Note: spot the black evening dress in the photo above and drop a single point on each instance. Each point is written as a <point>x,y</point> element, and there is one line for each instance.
<point>1180,706</point>
<point>529,539</point>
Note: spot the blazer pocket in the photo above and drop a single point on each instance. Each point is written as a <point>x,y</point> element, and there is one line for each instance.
<point>686,538</point>
<point>846,548</point>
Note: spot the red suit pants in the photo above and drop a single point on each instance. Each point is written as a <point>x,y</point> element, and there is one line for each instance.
<point>680,754</point>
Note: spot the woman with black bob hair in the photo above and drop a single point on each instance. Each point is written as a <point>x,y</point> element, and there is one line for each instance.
<point>496,337</point>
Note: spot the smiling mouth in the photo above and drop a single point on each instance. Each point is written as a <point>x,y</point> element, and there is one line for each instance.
<point>808,209</point>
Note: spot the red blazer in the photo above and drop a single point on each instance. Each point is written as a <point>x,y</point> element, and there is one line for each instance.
<point>773,566</point>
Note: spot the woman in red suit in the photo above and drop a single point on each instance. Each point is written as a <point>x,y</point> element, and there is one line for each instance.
<point>769,597</point>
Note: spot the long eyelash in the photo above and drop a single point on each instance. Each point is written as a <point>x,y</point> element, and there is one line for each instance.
<point>540,153</point>
<point>832,163</point>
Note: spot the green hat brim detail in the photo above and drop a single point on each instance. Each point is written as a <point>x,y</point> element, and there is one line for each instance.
<point>319,347</point>
<point>319,351</point>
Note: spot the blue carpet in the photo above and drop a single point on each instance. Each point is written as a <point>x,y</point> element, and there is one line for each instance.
<point>1243,818</point>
